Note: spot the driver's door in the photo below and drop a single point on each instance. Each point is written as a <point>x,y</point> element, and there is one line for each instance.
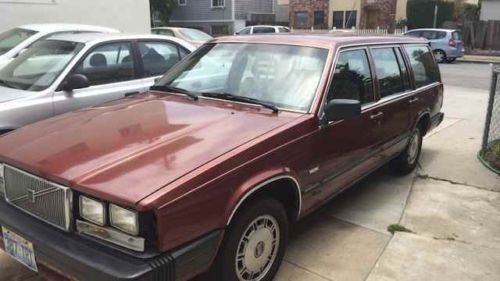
<point>111,69</point>
<point>345,150</point>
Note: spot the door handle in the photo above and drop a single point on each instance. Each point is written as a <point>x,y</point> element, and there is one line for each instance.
<point>131,94</point>
<point>377,116</point>
<point>413,100</point>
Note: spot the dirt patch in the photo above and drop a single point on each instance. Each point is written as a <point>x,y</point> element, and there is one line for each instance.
<point>492,154</point>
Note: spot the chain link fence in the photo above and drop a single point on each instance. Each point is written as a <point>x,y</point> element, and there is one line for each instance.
<point>490,149</point>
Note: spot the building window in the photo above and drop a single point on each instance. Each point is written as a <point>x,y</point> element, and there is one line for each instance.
<point>182,2</point>
<point>218,3</point>
<point>301,19</point>
<point>220,29</point>
<point>350,19</point>
<point>338,19</point>
<point>319,17</point>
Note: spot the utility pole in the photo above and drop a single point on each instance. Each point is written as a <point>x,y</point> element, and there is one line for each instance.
<point>436,8</point>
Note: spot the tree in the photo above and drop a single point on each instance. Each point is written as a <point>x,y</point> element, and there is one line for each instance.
<point>164,8</point>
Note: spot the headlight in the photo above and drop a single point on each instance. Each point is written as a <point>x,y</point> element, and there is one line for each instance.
<point>93,210</point>
<point>2,182</point>
<point>124,219</point>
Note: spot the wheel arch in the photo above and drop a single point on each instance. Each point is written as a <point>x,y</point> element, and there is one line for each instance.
<point>284,187</point>
<point>423,121</point>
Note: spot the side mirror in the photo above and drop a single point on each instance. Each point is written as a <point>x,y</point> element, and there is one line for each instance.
<point>340,109</point>
<point>75,81</point>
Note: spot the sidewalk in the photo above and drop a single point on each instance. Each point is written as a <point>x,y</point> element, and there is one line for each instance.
<point>479,59</point>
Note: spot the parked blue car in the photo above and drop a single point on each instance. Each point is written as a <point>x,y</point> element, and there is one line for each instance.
<point>446,43</point>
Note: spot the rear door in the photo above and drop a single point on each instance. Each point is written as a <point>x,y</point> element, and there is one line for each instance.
<point>392,111</point>
<point>424,72</point>
<point>111,69</point>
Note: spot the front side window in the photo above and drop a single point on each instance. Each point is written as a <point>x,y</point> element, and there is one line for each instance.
<point>108,63</point>
<point>388,71</point>
<point>260,29</point>
<point>282,75</point>
<point>158,57</point>
<point>352,78</point>
<point>283,30</point>
<point>11,38</point>
<point>425,69</point>
<point>39,66</point>
<point>217,3</point>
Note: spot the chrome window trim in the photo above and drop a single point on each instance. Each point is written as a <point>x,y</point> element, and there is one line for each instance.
<point>261,185</point>
<point>68,200</point>
<point>372,45</point>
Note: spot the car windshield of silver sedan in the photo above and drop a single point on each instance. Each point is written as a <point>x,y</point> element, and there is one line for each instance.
<point>283,76</point>
<point>38,67</point>
<point>13,37</point>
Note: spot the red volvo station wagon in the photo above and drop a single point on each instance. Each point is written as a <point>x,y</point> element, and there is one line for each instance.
<point>206,172</point>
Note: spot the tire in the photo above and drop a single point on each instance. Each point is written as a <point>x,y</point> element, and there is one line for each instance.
<point>406,162</point>
<point>253,258</point>
<point>450,60</point>
<point>440,56</point>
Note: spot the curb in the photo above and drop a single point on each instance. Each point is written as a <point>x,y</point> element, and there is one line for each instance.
<point>478,61</point>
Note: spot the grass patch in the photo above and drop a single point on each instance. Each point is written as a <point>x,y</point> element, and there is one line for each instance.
<point>393,228</point>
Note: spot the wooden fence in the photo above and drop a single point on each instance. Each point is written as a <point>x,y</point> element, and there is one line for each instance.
<point>483,35</point>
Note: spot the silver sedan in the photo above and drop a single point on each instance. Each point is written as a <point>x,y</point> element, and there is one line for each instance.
<point>67,72</point>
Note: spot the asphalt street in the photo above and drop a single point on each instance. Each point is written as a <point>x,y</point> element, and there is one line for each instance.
<point>467,75</point>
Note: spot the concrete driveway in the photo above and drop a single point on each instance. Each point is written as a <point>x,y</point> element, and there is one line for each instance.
<point>451,205</point>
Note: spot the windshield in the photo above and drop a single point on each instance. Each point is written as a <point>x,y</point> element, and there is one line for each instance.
<point>13,37</point>
<point>195,35</point>
<point>280,75</point>
<point>38,67</point>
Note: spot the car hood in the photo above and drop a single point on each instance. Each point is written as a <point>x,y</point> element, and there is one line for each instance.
<point>128,149</point>
<point>8,94</point>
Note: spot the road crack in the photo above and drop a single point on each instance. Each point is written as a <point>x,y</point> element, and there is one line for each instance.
<point>427,177</point>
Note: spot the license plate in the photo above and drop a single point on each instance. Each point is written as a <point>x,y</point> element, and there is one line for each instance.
<point>19,248</point>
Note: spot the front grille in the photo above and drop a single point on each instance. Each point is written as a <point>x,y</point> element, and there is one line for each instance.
<point>38,197</point>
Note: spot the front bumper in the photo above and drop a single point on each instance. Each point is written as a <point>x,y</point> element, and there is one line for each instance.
<point>80,258</point>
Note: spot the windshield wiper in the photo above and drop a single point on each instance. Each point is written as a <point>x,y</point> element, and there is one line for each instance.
<point>10,85</point>
<point>174,89</point>
<point>228,96</point>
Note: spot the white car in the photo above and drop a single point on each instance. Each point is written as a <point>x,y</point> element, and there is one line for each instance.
<point>261,29</point>
<point>66,72</point>
<point>191,35</point>
<point>16,40</point>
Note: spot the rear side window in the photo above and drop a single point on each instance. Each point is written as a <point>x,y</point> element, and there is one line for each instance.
<point>158,57</point>
<point>425,69</point>
<point>457,35</point>
<point>352,78</point>
<point>414,33</point>
<point>388,71</point>
<point>108,63</point>
<point>257,30</point>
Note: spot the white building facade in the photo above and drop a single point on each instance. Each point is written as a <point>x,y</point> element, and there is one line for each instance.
<point>124,15</point>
